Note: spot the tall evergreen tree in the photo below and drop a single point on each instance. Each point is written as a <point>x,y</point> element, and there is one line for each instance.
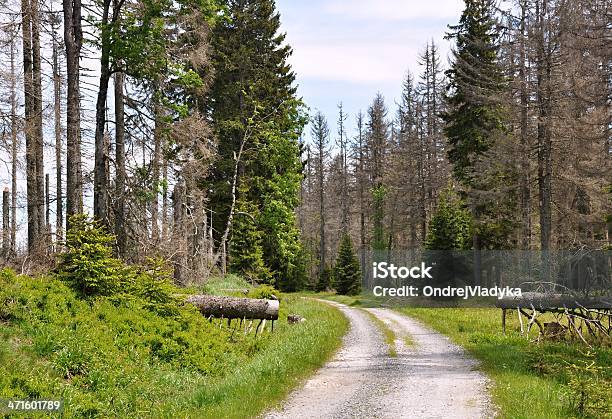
<point>320,138</point>
<point>378,131</point>
<point>474,119</point>
<point>253,98</point>
<point>474,81</point>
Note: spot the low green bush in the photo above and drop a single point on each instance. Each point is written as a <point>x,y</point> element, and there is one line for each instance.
<point>111,340</point>
<point>587,393</point>
<point>87,265</point>
<point>267,292</point>
<point>58,344</point>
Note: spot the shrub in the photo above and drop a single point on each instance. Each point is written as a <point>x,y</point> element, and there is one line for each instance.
<point>347,273</point>
<point>267,292</point>
<point>587,395</point>
<point>89,268</point>
<point>451,225</point>
<point>61,344</point>
<point>87,264</point>
<point>325,280</point>
<point>153,283</point>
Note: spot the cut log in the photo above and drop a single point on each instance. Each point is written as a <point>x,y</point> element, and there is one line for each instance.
<point>235,308</point>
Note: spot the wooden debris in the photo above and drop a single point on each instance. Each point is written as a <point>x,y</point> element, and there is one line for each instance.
<point>235,308</point>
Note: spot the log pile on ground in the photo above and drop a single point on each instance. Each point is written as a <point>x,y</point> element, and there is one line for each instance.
<point>235,308</point>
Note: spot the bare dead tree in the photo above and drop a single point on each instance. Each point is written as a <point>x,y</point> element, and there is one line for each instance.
<point>73,40</point>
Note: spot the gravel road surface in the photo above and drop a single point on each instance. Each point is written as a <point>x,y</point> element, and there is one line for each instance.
<point>431,379</point>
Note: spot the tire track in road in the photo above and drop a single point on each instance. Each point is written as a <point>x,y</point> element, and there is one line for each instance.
<point>431,379</point>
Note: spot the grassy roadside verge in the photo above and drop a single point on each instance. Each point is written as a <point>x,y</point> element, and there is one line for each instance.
<point>265,380</point>
<point>121,356</point>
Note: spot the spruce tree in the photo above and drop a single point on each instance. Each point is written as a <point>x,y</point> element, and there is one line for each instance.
<point>451,225</point>
<point>246,253</point>
<point>347,272</point>
<point>253,97</point>
<point>475,120</point>
<point>475,82</point>
<point>377,144</point>
<point>448,236</point>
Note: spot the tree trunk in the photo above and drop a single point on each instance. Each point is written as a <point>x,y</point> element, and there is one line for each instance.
<point>101,176</point>
<point>6,242</point>
<point>120,166</point>
<point>421,173</point>
<point>524,142</point>
<point>164,221</point>
<point>361,181</point>
<point>235,308</point>
<point>47,207</point>
<point>321,212</point>
<point>14,147</point>
<point>73,39</point>
<point>30,128</point>
<point>544,139</point>
<point>344,207</point>
<point>179,257</point>
<point>57,108</point>
<point>155,168</point>
<point>38,126</point>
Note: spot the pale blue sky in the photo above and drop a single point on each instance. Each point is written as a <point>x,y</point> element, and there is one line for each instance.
<point>347,50</point>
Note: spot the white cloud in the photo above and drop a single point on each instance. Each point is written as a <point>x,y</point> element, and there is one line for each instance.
<point>364,41</point>
<point>353,62</point>
<point>394,10</point>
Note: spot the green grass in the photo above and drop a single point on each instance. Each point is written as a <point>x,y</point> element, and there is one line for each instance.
<point>362,300</point>
<point>120,356</point>
<point>545,380</point>
<point>296,352</point>
<point>230,285</point>
<point>530,380</point>
<point>388,334</point>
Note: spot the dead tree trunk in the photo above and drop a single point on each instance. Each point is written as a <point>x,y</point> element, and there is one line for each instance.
<point>235,308</point>
<point>544,136</point>
<point>164,216</point>
<point>30,128</point>
<point>73,39</point>
<point>47,208</point>
<point>524,142</point>
<point>14,147</point>
<point>5,223</point>
<point>38,126</point>
<point>120,166</point>
<point>178,233</point>
<point>101,176</point>
<point>155,166</point>
<point>57,107</point>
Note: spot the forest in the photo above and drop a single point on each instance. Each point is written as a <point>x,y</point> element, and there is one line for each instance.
<point>177,126</point>
<point>193,146</point>
<point>158,161</point>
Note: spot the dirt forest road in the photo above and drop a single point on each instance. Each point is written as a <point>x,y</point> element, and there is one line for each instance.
<point>431,379</point>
